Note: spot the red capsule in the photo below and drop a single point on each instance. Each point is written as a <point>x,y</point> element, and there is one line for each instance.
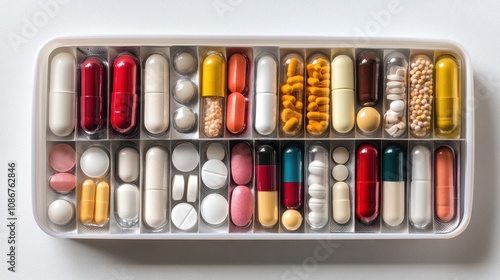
<point>237,73</point>
<point>444,173</point>
<point>124,99</point>
<point>91,102</point>
<point>367,68</point>
<point>367,183</point>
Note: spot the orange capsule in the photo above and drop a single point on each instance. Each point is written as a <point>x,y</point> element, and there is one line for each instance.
<point>444,173</point>
<point>237,73</point>
<point>235,112</point>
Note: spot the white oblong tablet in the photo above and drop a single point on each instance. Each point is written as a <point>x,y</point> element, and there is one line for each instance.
<point>192,188</point>
<point>61,212</point>
<point>178,187</point>
<point>214,174</point>
<point>185,157</point>
<point>216,151</point>
<point>184,216</point>
<point>340,155</point>
<point>127,202</point>
<point>340,173</point>
<point>214,209</point>
<point>128,164</point>
<point>94,162</point>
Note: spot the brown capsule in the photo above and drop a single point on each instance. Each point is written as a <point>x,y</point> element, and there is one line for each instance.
<point>368,68</point>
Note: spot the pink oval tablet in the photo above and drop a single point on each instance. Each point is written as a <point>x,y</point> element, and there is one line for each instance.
<point>241,206</point>
<point>241,164</point>
<point>62,182</point>
<point>62,157</point>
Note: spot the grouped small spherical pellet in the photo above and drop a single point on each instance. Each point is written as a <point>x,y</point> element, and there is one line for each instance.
<point>213,116</point>
<point>318,92</point>
<point>421,96</point>
<point>291,92</point>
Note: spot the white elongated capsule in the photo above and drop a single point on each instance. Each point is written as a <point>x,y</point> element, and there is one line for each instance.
<point>265,95</point>
<point>341,205</point>
<point>342,94</point>
<point>420,193</point>
<point>156,176</point>
<point>156,94</point>
<point>127,203</point>
<point>128,164</point>
<point>62,94</point>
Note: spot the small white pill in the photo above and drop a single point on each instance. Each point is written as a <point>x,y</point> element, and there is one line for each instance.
<point>396,91</point>
<point>214,209</point>
<point>392,130</point>
<point>317,219</point>
<point>340,173</point>
<point>216,151</point>
<point>391,119</point>
<point>214,174</point>
<point>185,157</point>
<point>192,188</point>
<point>127,202</point>
<point>314,179</point>
<point>184,216</point>
<point>394,84</point>
<point>397,105</point>
<point>317,204</point>
<point>178,187</point>
<point>94,162</point>
<point>184,119</point>
<point>316,167</point>
<point>395,77</point>
<point>184,91</point>
<point>128,164</point>
<point>61,212</point>
<point>340,155</point>
<point>184,63</point>
<point>317,191</point>
<point>400,72</point>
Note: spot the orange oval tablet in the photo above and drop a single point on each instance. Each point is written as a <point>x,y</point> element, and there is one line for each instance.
<point>237,73</point>
<point>62,182</point>
<point>444,173</point>
<point>241,206</point>
<point>235,112</point>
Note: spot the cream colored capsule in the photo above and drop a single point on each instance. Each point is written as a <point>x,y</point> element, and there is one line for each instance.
<point>342,94</point>
<point>341,203</point>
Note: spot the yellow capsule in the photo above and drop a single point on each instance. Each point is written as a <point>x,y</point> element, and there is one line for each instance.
<point>267,208</point>
<point>315,127</point>
<point>286,89</point>
<point>316,74</point>
<point>324,108</point>
<point>322,62</point>
<point>324,84</point>
<point>311,98</point>
<point>295,79</point>
<point>313,81</point>
<point>290,98</point>
<point>298,87</point>
<point>213,82</point>
<point>325,76</point>
<point>319,116</point>
<point>87,201</point>
<point>101,203</point>
<point>324,123</point>
<point>291,124</point>
<point>318,91</point>
<point>288,104</point>
<point>325,69</point>
<point>323,100</point>
<point>447,98</point>
<point>299,105</point>
<point>292,67</point>
<point>313,106</point>
<point>287,114</point>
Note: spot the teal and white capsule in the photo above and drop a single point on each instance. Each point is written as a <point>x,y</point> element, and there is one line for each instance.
<point>393,186</point>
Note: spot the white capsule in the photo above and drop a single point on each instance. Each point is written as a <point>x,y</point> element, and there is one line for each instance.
<point>156,174</point>
<point>343,109</point>
<point>61,111</point>
<point>266,99</point>
<point>127,202</point>
<point>420,188</point>
<point>341,205</point>
<point>128,164</point>
<point>156,94</point>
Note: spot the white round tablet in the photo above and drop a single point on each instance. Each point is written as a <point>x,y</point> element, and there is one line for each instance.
<point>216,151</point>
<point>184,119</point>
<point>185,157</point>
<point>214,174</point>
<point>214,209</point>
<point>184,63</point>
<point>340,173</point>
<point>192,188</point>
<point>61,212</point>
<point>94,162</point>
<point>340,155</point>
<point>184,91</point>
<point>178,187</point>
<point>184,216</point>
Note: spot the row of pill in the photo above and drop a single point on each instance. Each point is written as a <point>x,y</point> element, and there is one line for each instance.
<point>332,93</point>
<point>262,186</point>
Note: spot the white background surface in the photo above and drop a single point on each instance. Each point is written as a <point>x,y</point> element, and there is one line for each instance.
<point>474,254</point>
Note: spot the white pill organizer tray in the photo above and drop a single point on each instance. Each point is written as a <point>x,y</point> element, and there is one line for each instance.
<point>253,138</point>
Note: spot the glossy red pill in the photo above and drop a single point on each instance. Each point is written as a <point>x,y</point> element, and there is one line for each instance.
<point>91,95</point>
<point>124,99</point>
<point>367,183</point>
